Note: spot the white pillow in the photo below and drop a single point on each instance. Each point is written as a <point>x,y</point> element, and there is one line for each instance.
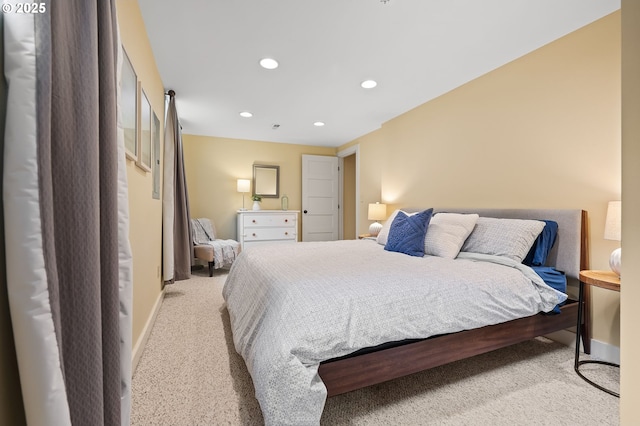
<point>447,233</point>
<point>384,232</point>
<point>511,238</point>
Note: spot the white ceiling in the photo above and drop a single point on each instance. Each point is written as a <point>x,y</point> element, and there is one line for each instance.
<point>208,52</point>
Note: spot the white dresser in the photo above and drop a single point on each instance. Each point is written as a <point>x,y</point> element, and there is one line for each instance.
<point>267,227</point>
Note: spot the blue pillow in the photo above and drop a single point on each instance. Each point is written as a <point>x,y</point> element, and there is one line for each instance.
<point>406,234</point>
<point>539,252</point>
<point>541,247</point>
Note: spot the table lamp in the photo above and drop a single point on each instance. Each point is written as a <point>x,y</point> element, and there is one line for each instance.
<point>376,212</point>
<point>244,185</point>
<point>613,231</point>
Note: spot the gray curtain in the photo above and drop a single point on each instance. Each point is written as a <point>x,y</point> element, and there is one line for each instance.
<point>65,214</point>
<point>177,242</point>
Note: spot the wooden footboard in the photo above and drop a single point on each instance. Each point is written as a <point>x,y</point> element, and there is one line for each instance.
<point>351,373</point>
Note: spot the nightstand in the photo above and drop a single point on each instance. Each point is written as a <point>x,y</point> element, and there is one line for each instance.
<point>367,237</point>
<point>604,279</point>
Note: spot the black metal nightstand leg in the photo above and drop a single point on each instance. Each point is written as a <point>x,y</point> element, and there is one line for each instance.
<point>577,362</point>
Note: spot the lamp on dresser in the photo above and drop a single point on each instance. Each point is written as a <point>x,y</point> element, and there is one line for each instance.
<point>244,186</point>
<point>376,212</point>
<point>613,231</point>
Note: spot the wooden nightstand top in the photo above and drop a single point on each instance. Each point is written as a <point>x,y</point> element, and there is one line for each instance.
<point>604,279</point>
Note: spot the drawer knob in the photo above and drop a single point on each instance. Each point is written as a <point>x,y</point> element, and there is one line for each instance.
<point>286,220</point>
<point>254,221</point>
<point>254,234</point>
<point>286,233</point>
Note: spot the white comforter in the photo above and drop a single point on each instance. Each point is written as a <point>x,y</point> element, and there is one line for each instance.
<point>295,305</point>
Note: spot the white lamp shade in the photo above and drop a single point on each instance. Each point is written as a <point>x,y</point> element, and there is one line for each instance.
<point>244,185</point>
<point>377,211</point>
<point>613,223</point>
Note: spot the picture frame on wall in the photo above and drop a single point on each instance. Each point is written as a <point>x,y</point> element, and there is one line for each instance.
<point>155,166</point>
<point>129,94</point>
<point>144,147</point>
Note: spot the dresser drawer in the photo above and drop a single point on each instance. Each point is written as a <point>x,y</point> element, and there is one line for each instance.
<point>263,234</point>
<point>269,220</point>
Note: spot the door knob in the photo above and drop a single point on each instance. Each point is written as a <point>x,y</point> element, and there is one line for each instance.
<point>305,212</point>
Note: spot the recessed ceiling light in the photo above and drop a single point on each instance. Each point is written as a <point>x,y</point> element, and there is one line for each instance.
<point>368,84</point>
<point>318,124</point>
<point>246,114</point>
<point>269,63</point>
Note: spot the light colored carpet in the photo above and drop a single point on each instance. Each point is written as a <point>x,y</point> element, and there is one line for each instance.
<point>190,374</point>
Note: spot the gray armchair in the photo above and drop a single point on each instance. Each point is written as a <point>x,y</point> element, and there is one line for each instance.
<point>217,253</point>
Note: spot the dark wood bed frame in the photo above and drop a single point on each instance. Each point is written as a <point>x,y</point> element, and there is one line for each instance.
<point>354,372</point>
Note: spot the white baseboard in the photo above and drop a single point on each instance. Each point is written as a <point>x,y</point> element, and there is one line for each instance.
<point>605,351</point>
<point>599,350</point>
<point>138,348</point>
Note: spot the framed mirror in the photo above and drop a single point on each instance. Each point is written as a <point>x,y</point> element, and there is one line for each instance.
<point>145,142</point>
<point>129,109</point>
<point>266,181</point>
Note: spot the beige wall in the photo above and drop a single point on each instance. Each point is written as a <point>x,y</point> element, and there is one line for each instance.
<point>630,318</point>
<point>372,150</point>
<point>145,213</point>
<point>542,131</point>
<point>213,166</point>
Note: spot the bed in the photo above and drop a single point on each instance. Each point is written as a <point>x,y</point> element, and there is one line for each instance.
<point>313,320</point>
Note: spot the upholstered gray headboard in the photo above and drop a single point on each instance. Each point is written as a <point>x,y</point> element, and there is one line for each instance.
<point>567,254</point>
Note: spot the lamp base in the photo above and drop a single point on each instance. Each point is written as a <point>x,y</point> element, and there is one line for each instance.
<point>375,228</point>
<point>615,261</point>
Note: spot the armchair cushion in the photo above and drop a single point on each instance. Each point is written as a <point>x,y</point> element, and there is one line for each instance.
<point>203,252</point>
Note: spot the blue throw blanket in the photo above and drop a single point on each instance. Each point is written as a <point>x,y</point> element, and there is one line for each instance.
<point>554,279</point>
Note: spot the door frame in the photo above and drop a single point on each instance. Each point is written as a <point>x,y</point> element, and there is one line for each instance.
<point>354,149</point>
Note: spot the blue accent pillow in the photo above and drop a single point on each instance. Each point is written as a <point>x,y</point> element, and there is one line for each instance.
<point>541,247</point>
<point>406,234</point>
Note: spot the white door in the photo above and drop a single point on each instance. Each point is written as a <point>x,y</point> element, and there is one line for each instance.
<point>320,218</point>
